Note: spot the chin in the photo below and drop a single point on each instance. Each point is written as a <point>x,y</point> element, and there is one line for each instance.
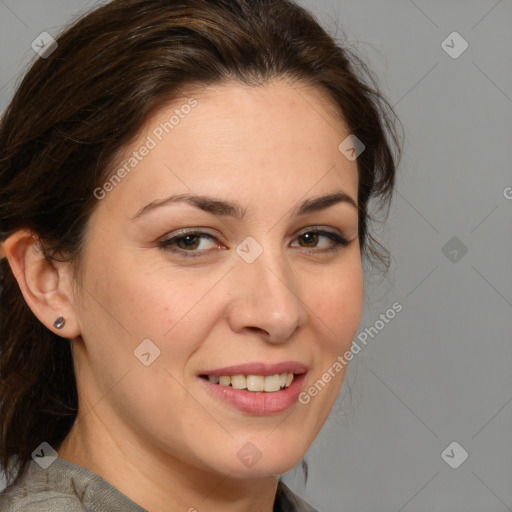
<point>262,457</point>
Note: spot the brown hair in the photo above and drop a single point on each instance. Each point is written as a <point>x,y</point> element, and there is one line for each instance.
<point>78,108</point>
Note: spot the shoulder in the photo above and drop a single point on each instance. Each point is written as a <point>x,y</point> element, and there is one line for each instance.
<point>63,487</point>
<point>42,502</point>
<point>288,501</point>
<point>38,492</point>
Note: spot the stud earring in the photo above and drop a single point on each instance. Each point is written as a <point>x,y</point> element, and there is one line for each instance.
<point>59,323</point>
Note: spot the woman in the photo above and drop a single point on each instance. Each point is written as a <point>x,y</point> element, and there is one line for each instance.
<point>184,217</point>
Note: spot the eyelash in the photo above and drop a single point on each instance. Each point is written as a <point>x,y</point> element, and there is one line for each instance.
<point>339,242</point>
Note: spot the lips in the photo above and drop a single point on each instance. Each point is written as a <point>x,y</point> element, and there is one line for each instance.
<point>256,388</point>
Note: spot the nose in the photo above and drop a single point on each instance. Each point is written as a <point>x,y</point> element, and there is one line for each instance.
<point>265,299</point>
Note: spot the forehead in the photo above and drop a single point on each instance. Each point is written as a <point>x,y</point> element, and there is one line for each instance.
<point>268,140</point>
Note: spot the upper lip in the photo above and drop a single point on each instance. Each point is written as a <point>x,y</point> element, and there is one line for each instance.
<point>259,368</point>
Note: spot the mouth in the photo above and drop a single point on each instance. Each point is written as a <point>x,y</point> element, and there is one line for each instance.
<point>257,389</point>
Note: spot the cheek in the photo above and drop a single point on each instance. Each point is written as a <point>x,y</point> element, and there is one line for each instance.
<point>334,315</point>
<point>174,309</point>
<point>338,306</point>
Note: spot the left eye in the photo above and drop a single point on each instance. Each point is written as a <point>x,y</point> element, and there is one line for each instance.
<point>312,236</point>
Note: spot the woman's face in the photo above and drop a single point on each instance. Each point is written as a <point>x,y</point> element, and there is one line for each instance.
<point>257,293</point>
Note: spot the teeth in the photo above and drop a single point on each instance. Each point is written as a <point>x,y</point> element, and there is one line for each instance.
<point>255,383</point>
<point>224,381</point>
<point>269,383</point>
<point>273,383</point>
<point>238,381</point>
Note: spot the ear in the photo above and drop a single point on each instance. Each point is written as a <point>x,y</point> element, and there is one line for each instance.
<point>46,287</point>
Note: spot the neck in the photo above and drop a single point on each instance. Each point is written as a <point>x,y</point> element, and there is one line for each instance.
<point>156,480</point>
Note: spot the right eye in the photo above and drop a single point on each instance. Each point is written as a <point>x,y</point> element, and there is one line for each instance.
<point>187,243</point>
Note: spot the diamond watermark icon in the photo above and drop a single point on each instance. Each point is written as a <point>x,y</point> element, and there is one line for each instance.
<point>351,147</point>
<point>454,249</point>
<point>249,454</point>
<point>44,455</point>
<point>454,455</point>
<point>146,352</point>
<point>44,45</point>
<point>249,249</point>
<point>454,45</point>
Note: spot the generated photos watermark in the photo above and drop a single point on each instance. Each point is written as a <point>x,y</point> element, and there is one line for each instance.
<point>151,142</point>
<point>343,360</point>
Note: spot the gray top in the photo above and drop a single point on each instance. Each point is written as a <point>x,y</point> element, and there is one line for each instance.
<point>66,487</point>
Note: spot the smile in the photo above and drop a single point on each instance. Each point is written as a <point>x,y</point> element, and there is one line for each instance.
<point>258,388</point>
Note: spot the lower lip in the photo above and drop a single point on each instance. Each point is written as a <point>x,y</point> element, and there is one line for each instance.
<point>258,403</point>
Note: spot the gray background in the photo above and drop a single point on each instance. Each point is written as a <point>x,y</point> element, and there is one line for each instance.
<point>438,372</point>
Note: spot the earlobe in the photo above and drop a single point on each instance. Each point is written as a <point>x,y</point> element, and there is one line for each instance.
<point>45,285</point>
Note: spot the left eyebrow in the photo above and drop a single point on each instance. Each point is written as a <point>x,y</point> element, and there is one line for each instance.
<point>233,209</point>
<point>321,203</point>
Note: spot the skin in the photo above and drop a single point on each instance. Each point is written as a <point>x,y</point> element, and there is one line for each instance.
<point>175,445</point>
